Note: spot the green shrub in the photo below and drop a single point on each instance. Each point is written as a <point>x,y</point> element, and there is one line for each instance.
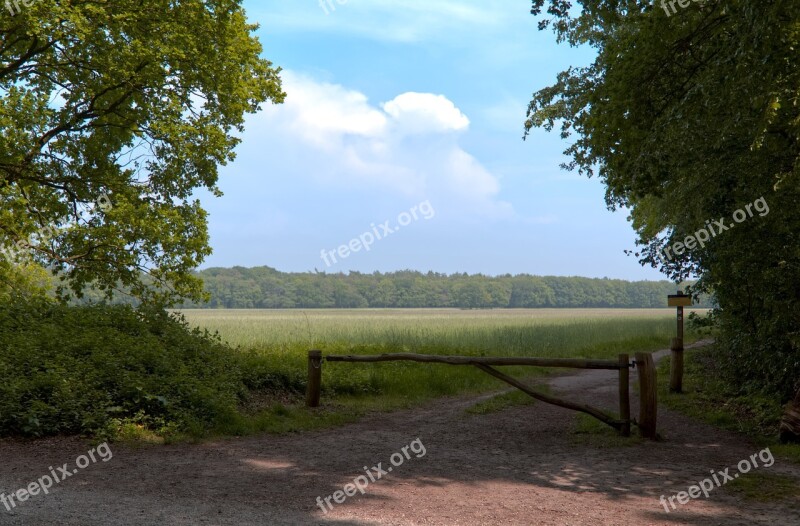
<point>91,369</point>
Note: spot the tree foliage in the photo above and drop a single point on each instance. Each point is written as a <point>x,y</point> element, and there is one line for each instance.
<point>267,288</point>
<point>135,101</point>
<point>686,118</point>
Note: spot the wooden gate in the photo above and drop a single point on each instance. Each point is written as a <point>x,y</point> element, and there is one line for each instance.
<point>643,362</point>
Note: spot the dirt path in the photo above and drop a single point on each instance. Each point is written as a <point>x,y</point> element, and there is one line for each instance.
<point>519,466</point>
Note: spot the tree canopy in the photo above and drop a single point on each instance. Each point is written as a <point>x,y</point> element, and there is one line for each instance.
<point>687,117</point>
<point>112,113</point>
<point>267,288</point>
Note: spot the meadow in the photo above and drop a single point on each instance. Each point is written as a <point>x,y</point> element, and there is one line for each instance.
<point>513,330</point>
<point>276,342</point>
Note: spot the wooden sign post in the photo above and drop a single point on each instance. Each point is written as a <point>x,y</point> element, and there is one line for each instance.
<point>679,300</point>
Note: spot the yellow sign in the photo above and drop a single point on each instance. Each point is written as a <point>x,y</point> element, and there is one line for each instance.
<point>676,300</point>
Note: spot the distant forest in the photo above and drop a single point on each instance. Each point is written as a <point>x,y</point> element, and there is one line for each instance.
<point>267,288</point>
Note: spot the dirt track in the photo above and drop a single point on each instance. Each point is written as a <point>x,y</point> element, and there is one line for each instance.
<point>518,466</point>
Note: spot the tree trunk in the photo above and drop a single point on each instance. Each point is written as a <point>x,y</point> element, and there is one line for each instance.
<point>790,423</point>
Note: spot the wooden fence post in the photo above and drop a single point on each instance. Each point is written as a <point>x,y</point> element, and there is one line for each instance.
<point>624,396</point>
<point>648,395</point>
<point>676,366</point>
<point>314,378</point>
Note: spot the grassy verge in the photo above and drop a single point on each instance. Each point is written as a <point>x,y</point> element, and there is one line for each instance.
<point>765,487</point>
<point>707,398</point>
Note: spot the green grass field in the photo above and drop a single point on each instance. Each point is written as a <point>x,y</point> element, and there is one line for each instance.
<point>497,331</point>
<point>277,341</point>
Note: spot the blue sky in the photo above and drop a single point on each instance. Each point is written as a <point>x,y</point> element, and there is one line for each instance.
<point>395,108</point>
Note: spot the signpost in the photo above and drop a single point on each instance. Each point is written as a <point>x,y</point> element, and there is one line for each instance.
<point>679,300</point>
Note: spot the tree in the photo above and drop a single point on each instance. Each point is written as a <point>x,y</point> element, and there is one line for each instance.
<point>346,296</point>
<point>530,292</point>
<point>471,294</point>
<point>132,106</point>
<point>23,280</point>
<point>687,118</point>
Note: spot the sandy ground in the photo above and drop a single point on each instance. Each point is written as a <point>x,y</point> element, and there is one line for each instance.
<point>522,465</point>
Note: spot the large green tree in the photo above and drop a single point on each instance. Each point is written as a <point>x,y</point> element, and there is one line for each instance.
<point>112,114</point>
<point>688,114</point>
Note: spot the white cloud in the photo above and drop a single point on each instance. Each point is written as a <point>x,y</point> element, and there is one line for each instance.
<point>317,110</point>
<point>334,136</point>
<point>425,113</point>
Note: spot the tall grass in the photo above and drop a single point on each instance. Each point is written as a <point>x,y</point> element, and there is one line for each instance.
<point>277,342</point>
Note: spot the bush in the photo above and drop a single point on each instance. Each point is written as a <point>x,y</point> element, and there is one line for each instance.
<point>94,369</point>
<point>764,361</point>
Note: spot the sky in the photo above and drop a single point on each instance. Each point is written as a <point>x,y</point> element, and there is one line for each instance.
<point>399,146</point>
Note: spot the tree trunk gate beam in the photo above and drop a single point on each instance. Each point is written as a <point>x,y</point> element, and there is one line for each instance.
<point>622,365</point>
<point>572,363</point>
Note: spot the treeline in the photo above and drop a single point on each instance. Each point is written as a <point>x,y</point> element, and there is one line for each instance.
<point>267,288</point>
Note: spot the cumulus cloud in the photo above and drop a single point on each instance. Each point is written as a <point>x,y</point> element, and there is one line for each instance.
<point>317,110</point>
<point>420,113</point>
<point>408,145</point>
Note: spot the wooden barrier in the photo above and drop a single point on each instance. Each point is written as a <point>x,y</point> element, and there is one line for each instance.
<point>644,362</point>
<point>573,363</point>
<point>589,410</point>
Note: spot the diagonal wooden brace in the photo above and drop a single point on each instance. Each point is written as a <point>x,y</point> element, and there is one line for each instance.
<point>589,410</point>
